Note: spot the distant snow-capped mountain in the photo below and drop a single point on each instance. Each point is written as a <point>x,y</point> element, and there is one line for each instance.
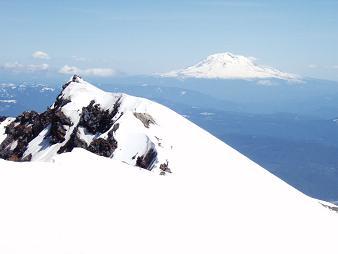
<point>214,200</point>
<point>229,66</point>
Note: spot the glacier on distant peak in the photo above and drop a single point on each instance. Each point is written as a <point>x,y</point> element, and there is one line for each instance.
<point>230,66</point>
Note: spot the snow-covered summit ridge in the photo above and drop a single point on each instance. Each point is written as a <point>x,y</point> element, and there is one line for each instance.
<point>112,125</point>
<point>230,66</point>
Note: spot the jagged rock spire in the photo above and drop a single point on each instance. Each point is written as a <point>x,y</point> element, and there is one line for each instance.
<point>76,78</point>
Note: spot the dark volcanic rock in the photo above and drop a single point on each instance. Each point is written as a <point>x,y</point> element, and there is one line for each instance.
<point>27,117</point>
<point>67,84</point>
<point>103,147</point>
<point>95,120</point>
<point>57,133</point>
<point>27,158</point>
<point>331,207</point>
<point>115,127</point>
<point>60,102</point>
<point>145,161</point>
<point>27,126</point>
<point>5,152</point>
<point>74,141</point>
<point>61,118</point>
<point>13,157</point>
<point>22,130</point>
<point>165,168</point>
<point>100,146</point>
<point>57,129</point>
<point>111,133</point>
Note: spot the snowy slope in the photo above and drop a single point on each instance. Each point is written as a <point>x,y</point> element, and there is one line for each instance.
<point>229,66</point>
<point>215,201</point>
<point>220,203</point>
<point>121,119</point>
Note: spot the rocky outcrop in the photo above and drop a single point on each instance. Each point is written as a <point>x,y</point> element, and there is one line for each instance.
<point>27,158</point>
<point>164,167</point>
<point>5,152</point>
<point>95,120</point>
<point>60,102</point>
<point>57,128</point>
<point>19,133</point>
<point>115,128</point>
<point>74,141</point>
<point>2,118</point>
<point>93,128</point>
<point>332,207</point>
<point>104,147</point>
<point>146,161</point>
<point>26,127</point>
<point>145,118</point>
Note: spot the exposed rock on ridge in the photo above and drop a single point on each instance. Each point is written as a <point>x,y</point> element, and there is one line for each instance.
<point>83,116</point>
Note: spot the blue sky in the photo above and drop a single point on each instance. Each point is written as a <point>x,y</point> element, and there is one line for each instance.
<point>155,36</point>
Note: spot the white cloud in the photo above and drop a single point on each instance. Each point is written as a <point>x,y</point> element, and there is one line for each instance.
<point>313,66</point>
<point>40,55</point>
<point>101,72</point>
<point>335,67</point>
<point>18,67</point>
<point>69,70</point>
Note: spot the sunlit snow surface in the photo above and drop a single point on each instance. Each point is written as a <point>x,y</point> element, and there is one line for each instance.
<point>215,201</point>
<point>230,66</point>
<point>133,138</point>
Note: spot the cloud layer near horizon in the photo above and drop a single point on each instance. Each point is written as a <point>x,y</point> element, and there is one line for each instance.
<point>19,67</point>
<point>101,72</point>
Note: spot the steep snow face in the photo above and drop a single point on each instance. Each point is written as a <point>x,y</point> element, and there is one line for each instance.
<point>230,66</point>
<point>215,201</point>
